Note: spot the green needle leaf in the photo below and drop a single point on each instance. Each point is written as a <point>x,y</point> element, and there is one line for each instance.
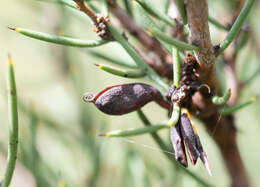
<point>128,7</point>
<point>172,41</point>
<point>122,72</point>
<point>68,3</point>
<point>176,66</point>
<point>105,9</point>
<point>232,109</point>
<point>138,60</point>
<point>144,21</point>
<point>134,132</point>
<point>175,115</point>
<point>59,39</point>
<point>147,6</point>
<point>214,22</point>
<point>252,76</point>
<point>13,128</point>
<point>221,100</point>
<point>110,59</point>
<point>182,11</point>
<point>237,25</point>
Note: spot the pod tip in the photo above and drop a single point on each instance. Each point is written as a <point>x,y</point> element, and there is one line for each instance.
<point>88,97</point>
<point>205,162</point>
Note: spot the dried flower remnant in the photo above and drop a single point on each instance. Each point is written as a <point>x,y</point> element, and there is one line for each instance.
<point>178,145</point>
<point>125,98</point>
<point>184,135</point>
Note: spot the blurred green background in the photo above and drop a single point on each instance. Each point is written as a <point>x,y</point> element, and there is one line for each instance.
<point>58,131</point>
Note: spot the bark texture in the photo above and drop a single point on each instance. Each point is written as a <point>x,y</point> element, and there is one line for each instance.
<point>222,128</point>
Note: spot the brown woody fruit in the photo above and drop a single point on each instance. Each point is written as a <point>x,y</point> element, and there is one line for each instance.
<point>125,98</point>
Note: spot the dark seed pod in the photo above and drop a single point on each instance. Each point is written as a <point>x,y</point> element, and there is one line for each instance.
<point>122,99</point>
<point>189,137</point>
<point>178,145</point>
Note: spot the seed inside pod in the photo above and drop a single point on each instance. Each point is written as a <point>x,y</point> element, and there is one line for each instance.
<point>125,98</point>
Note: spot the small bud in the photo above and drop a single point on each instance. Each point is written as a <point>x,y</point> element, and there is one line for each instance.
<point>126,98</point>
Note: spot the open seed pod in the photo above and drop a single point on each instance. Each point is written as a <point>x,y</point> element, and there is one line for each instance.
<point>178,145</point>
<point>125,98</point>
<point>185,134</point>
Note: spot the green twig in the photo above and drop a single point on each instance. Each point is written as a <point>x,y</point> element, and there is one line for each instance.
<point>237,25</point>
<point>223,99</point>
<point>105,9</point>
<point>166,6</point>
<point>176,67</point>
<point>148,7</point>
<point>137,59</point>
<point>175,115</point>
<point>144,21</point>
<point>59,39</point>
<point>232,109</point>
<point>134,132</point>
<point>13,128</point>
<point>68,3</point>
<point>170,40</point>
<point>176,81</point>
<point>164,147</point>
<point>122,72</point>
<point>111,60</point>
<point>243,38</point>
<point>182,11</point>
<point>128,7</point>
<point>214,22</point>
<point>252,76</point>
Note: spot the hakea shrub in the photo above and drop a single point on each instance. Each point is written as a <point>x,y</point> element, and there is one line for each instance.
<point>126,98</point>
<point>193,74</point>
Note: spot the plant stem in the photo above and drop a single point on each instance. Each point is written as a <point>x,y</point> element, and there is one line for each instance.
<point>134,132</point>
<point>128,7</point>
<point>122,72</point>
<point>111,59</point>
<point>148,7</point>
<point>59,39</point>
<point>237,25</point>
<point>176,67</point>
<point>151,74</point>
<point>13,128</point>
<point>176,80</point>
<point>222,100</point>
<point>175,115</point>
<point>182,11</point>
<point>172,41</point>
<point>214,22</point>
<point>232,109</point>
<point>252,76</point>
